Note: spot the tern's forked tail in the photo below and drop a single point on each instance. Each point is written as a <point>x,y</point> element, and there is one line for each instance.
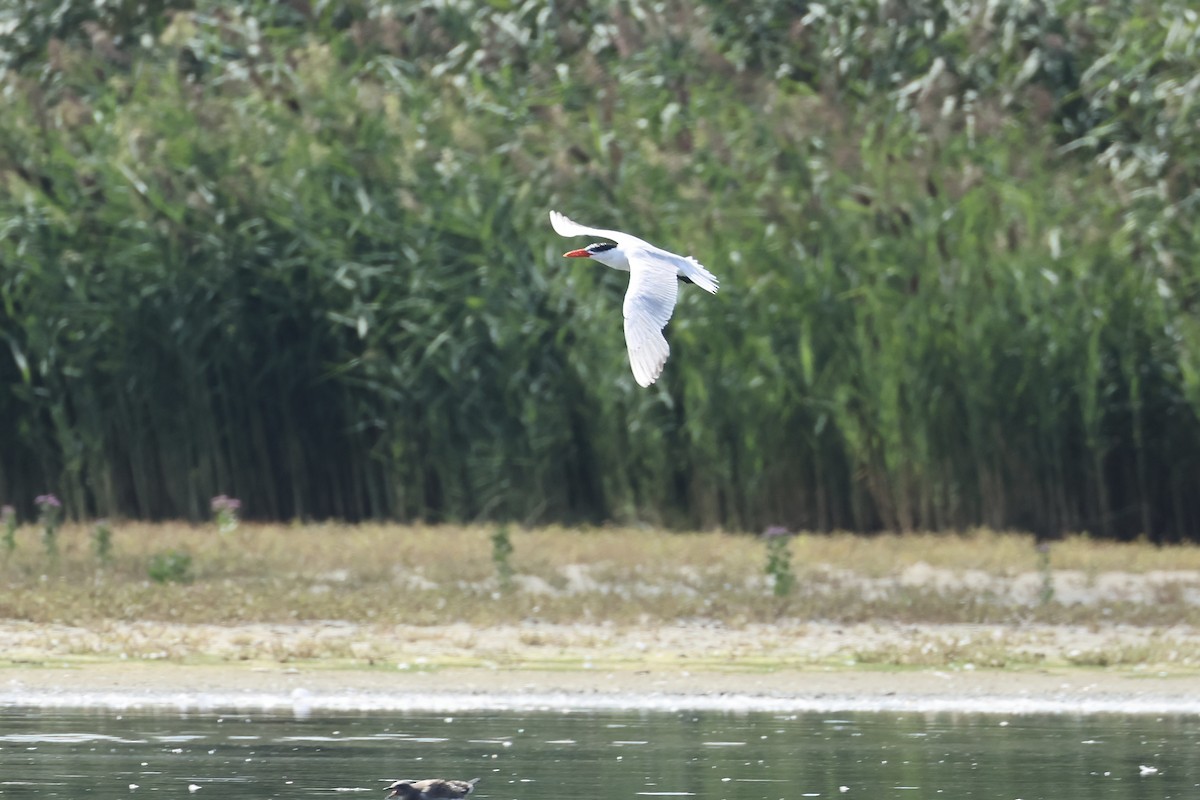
<point>695,272</point>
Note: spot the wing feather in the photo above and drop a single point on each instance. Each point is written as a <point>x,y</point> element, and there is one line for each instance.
<point>565,226</point>
<point>649,303</point>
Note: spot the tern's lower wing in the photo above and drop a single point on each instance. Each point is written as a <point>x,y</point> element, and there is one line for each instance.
<point>649,303</point>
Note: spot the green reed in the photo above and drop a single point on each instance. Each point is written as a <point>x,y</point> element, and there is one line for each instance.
<point>305,260</point>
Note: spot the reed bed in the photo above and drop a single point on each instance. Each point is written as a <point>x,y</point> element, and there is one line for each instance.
<point>298,253</point>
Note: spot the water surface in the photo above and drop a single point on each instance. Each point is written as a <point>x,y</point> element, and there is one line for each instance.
<point>628,755</point>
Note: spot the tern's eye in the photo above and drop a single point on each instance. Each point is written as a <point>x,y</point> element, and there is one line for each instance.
<point>600,247</point>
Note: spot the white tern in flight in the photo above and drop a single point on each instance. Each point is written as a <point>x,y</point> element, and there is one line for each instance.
<point>650,299</point>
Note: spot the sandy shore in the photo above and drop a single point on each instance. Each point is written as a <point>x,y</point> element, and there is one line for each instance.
<point>304,691</point>
<point>778,668</point>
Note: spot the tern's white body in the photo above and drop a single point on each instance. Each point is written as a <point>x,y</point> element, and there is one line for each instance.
<point>653,287</point>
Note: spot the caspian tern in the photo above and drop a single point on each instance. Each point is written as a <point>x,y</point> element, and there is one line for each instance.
<point>650,299</point>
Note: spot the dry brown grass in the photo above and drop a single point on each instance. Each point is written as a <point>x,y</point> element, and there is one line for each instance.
<point>443,574</point>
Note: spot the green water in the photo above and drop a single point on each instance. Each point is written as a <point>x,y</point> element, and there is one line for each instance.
<point>627,755</point>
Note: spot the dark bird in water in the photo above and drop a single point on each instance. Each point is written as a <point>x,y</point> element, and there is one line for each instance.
<point>431,789</point>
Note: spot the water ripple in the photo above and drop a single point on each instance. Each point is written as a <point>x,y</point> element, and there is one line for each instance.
<point>64,738</point>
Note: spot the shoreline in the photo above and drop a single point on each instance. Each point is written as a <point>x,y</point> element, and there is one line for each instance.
<point>535,667</point>
<point>303,692</point>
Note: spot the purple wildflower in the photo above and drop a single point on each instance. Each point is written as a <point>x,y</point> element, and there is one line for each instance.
<point>7,514</point>
<point>225,503</point>
<point>47,501</point>
<point>775,531</point>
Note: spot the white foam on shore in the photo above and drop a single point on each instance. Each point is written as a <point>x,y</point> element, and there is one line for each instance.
<point>306,703</point>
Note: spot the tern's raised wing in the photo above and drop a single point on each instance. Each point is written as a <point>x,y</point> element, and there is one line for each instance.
<point>649,303</point>
<point>564,226</point>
